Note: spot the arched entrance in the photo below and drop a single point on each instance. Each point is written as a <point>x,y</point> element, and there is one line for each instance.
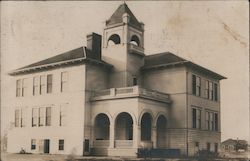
<point>102,127</point>
<point>146,126</point>
<point>161,126</point>
<point>123,130</point>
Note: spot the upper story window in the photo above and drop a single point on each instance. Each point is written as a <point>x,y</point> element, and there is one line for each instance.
<point>17,118</point>
<point>114,40</point>
<point>135,81</point>
<point>42,84</point>
<point>212,122</point>
<point>216,92</point>
<point>42,111</point>
<point>35,112</point>
<point>211,91</point>
<point>48,116</point>
<point>196,117</point>
<point>24,87</point>
<point>62,117</point>
<point>18,88</point>
<point>196,85</point>
<point>36,88</point>
<point>49,83</point>
<point>64,81</point>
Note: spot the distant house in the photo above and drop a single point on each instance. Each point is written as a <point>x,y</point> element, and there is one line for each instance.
<point>233,145</point>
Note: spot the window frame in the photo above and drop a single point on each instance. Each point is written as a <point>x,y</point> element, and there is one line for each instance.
<point>18,88</point>
<point>49,83</point>
<point>36,85</point>
<point>33,144</point>
<point>196,118</point>
<point>64,81</point>
<point>48,113</point>
<point>61,144</point>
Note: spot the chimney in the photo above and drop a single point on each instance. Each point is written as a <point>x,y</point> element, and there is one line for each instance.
<point>94,44</point>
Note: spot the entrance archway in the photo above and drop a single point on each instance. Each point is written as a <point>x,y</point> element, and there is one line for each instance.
<point>124,127</point>
<point>101,127</point>
<point>161,126</point>
<point>146,126</point>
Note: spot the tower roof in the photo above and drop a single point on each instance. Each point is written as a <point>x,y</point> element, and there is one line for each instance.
<point>117,16</point>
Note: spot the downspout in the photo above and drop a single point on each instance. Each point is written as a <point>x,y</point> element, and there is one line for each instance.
<point>187,111</point>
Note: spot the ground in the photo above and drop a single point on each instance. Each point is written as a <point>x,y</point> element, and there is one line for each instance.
<point>45,157</point>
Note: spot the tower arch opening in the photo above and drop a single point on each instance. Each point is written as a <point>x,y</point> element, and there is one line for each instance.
<point>114,40</point>
<point>124,127</point>
<point>101,130</point>
<point>135,40</point>
<point>146,126</point>
<point>161,127</point>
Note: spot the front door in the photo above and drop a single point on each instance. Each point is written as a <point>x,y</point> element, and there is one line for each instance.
<point>46,146</point>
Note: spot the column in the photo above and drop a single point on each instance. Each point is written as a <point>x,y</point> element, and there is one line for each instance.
<point>154,137</point>
<point>111,135</point>
<point>136,136</point>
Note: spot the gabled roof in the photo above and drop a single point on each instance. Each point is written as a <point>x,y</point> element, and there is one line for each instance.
<point>76,55</point>
<point>167,59</point>
<point>117,16</point>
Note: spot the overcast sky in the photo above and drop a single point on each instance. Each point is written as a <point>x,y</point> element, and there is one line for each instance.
<point>213,34</point>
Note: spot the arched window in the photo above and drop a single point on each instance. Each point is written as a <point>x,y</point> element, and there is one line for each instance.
<point>114,40</point>
<point>135,40</point>
<point>124,127</point>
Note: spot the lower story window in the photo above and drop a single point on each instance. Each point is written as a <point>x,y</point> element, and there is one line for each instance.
<point>33,144</point>
<point>61,145</point>
<point>208,146</point>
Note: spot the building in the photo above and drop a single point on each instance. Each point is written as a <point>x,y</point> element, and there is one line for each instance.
<point>109,98</point>
<point>232,145</point>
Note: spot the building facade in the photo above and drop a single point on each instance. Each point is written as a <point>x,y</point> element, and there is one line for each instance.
<point>109,98</point>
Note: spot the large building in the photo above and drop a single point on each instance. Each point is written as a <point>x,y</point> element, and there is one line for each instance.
<point>109,98</point>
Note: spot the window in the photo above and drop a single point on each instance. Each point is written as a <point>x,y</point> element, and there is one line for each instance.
<point>216,147</point>
<point>212,122</point>
<point>36,83</point>
<point>196,85</point>
<point>207,89</point>
<point>135,40</point>
<point>35,116</point>
<point>134,81</point>
<point>208,146</point>
<point>211,93</point>
<point>215,92</point>
<point>48,116</point>
<point>114,40</point>
<point>49,83</point>
<point>24,87</point>
<point>18,88</point>
<point>197,145</point>
<point>216,128</point>
<point>196,115</point>
<point>42,84</point>
<point>42,116</point>
<point>61,145</point>
<point>33,144</point>
<point>17,118</point>
<point>22,118</point>
<point>62,118</point>
<point>64,81</point>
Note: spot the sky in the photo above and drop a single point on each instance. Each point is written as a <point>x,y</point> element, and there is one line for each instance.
<point>213,34</point>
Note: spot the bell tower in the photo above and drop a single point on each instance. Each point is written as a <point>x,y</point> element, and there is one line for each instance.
<point>123,47</point>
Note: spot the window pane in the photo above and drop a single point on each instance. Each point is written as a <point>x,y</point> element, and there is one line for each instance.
<point>35,116</point>
<point>17,115</point>
<point>24,87</point>
<point>48,116</point>
<point>36,82</point>
<point>49,83</point>
<point>194,84</point>
<point>42,116</point>
<point>18,88</point>
<point>194,118</point>
<point>215,92</point>
<point>42,84</point>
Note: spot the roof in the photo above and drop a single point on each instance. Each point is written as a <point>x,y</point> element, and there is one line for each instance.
<point>76,55</point>
<point>167,59</point>
<point>117,16</point>
<point>234,142</point>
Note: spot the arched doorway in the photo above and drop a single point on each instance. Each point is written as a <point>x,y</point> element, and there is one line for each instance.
<point>124,127</point>
<point>102,123</point>
<point>161,126</point>
<point>146,126</point>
